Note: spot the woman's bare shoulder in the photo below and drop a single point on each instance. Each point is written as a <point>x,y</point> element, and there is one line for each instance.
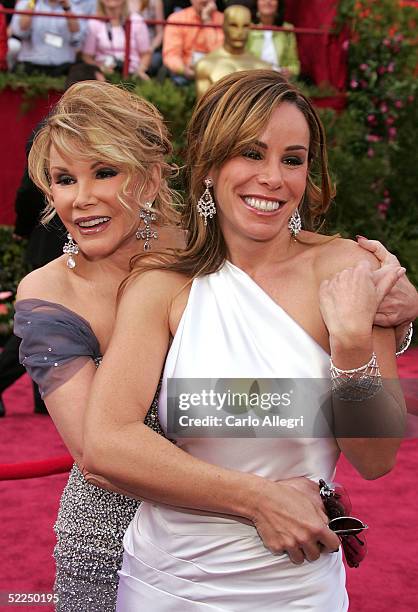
<point>47,283</point>
<point>155,284</point>
<point>338,254</point>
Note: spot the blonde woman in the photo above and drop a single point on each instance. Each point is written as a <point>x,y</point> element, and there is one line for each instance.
<point>236,523</point>
<point>104,43</point>
<point>100,161</point>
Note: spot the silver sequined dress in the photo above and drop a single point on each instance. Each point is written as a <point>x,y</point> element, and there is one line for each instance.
<point>56,343</point>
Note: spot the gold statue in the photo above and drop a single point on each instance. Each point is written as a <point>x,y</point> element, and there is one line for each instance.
<point>232,56</point>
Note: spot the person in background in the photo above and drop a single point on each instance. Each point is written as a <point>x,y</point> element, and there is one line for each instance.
<point>184,47</point>
<point>104,44</point>
<point>48,44</point>
<point>173,6</point>
<point>276,48</point>
<point>152,9</point>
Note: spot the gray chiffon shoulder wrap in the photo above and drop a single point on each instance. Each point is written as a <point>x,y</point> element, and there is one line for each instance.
<point>56,342</point>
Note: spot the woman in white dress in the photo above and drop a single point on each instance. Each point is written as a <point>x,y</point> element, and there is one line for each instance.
<point>236,523</point>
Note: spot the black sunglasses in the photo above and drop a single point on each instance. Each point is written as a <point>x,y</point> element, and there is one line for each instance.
<point>347,525</point>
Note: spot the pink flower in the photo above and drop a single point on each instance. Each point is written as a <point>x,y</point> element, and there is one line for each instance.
<point>382,210</point>
<point>353,84</point>
<point>5,294</point>
<point>371,118</point>
<point>392,132</point>
<point>370,152</point>
<point>345,45</point>
<point>390,121</point>
<point>384,107</point>
<point>398,103</point>
<point>363,66</point>
<point>381,70</point>
<point>372,138</point>
<point>386,42</point>
<point>391,67</point>
<point>3,309</point>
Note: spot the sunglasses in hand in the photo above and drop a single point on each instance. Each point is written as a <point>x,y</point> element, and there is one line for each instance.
<point>348,528</point>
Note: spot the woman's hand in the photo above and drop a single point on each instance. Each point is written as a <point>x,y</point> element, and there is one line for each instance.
<point>348,304</point>
<point>290,519</point>
<point>141,74</point>
<point>400,304</point>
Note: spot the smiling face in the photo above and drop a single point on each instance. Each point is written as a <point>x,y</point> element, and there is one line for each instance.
<point>257,192</point>
<point>85,196</point>
<point>267,8</point>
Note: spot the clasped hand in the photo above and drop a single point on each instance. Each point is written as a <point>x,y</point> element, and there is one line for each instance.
<point>350,300</point>
<point>290,519</point>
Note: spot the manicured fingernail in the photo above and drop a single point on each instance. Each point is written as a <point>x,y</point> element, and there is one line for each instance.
<point>358,237</point>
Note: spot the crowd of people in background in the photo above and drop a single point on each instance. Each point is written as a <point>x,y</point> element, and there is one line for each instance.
<point>51,45</point>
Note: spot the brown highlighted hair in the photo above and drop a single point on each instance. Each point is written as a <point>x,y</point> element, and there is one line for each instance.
<point>229,117</point>
<point>99,121</point>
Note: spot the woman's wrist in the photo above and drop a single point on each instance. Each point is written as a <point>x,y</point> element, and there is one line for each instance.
<point>348,353</point>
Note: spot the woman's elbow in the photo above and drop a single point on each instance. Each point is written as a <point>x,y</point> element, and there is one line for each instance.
<point>378,468</point>
<point>94,455</point>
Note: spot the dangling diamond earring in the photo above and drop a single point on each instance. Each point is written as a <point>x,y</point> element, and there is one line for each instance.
<point>147,233</point>
<point>295,223</point>
<point>206,205</point>
<point>70,248</point>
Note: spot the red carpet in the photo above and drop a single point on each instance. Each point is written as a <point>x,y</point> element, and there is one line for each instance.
<point>387,580</point>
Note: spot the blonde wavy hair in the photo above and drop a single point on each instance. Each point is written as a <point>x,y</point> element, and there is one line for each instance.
<point>227,119</point>
<point>99,121</point>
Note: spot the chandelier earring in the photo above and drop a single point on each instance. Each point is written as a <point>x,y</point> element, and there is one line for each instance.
<point>295,223</point>
<point>70,248</point>
<point>147,233</point>
<point>206,205</point>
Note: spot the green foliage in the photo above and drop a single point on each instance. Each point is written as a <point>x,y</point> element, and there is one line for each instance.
<point>12,269</point>
<point>370,150</point>
<point>12,264</point>
<point>32,87</point>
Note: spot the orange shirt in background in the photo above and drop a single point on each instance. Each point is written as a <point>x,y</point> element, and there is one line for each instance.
<point>180,42</point>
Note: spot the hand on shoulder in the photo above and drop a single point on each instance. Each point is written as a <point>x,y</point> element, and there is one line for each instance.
<point>339,254</point>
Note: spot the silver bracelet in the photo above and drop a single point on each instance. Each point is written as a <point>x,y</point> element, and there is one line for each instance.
<point>406,341</point>
<point>358,384</point>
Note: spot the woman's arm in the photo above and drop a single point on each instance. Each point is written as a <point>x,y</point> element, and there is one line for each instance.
<point>348,302</point>
<point>121,448</point>
<point>55,335</point>
<point>157,41</point>
<point>143,46</point>
<point>89,50</point>
<point>400,306</point>
<point>22,24</point>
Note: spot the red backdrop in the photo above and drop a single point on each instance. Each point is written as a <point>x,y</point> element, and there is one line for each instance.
<point>16,127</point>
<point>323,58</point>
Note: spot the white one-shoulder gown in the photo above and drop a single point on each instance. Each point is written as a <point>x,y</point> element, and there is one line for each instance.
<point>180,561</point>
